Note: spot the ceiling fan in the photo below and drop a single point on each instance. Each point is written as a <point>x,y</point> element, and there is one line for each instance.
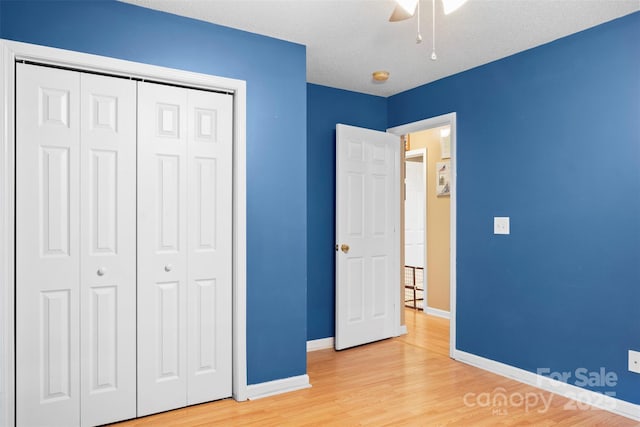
<point>405,9</point>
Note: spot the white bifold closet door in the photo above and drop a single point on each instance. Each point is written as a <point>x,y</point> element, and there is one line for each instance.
<point>184,246</point>
<point>75,248</point>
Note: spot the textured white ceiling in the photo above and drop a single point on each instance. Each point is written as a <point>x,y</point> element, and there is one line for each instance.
<point>348,39</point>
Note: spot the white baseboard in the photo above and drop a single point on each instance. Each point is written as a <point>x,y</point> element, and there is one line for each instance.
<point>320,344</point>
<point>402,330</point>
<point>570,391</point>
<point>437,312</point>
<point>271,388</point>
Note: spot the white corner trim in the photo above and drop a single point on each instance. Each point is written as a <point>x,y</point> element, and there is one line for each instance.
<point>5,418</point>
<point>239,321</point>
<point>7,220</point>
<point>320,344</point>
<point>272,388</point>
<point>437,312</point>
<point>570,391</point>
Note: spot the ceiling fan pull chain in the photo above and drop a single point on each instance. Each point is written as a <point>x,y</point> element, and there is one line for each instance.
<point>419,36</point>
<point>433,27</point>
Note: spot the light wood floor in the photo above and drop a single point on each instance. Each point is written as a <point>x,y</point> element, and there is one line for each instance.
<point>406,381</point>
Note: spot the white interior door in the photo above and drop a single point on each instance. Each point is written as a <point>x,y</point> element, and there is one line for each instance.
<point>414,213</point>
<point>367,235</point>
<point>75,280</point>
<point>76,253</point>
<point>47,246</point>
<point>108,249</point>
<point>209,225</point>
<point>162,248</point>
<point>184,247</point>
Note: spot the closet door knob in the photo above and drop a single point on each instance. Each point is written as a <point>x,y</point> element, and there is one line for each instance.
<point>101,271</point>
<point>168,268</point>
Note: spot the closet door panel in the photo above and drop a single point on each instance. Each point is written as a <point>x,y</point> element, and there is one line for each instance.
<point>108,242</point>
<point>209,245</point>
<point>47,246</point>
<point>162,248</point>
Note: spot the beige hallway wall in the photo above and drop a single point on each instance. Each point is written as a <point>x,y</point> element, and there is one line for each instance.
<point>438,223</point>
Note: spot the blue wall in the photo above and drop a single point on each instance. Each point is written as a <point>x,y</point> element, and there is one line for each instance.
<point>325,108</point>
<point>275,72</point>
<point>551,138</point>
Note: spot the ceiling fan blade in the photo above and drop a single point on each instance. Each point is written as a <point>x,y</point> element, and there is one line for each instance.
<point>451,6</point>
<point>400,14</point>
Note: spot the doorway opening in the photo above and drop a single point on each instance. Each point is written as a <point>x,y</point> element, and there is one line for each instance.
<point>415,228</point>
<point>437,136</point>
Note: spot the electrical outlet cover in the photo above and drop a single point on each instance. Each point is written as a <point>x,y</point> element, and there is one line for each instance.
<point>634,361</point>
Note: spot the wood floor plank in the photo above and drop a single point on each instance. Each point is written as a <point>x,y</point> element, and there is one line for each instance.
<point>405,381</point>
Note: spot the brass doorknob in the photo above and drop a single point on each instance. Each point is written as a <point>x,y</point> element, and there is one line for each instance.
<point>344,248</point>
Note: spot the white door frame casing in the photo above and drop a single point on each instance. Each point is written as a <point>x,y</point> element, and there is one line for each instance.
<point>412,154</point>
<point>443,120</point>
<point>10,52</point>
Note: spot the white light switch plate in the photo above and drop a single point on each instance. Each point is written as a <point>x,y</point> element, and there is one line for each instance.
<point>634,361</point>
<point>501,225</point>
